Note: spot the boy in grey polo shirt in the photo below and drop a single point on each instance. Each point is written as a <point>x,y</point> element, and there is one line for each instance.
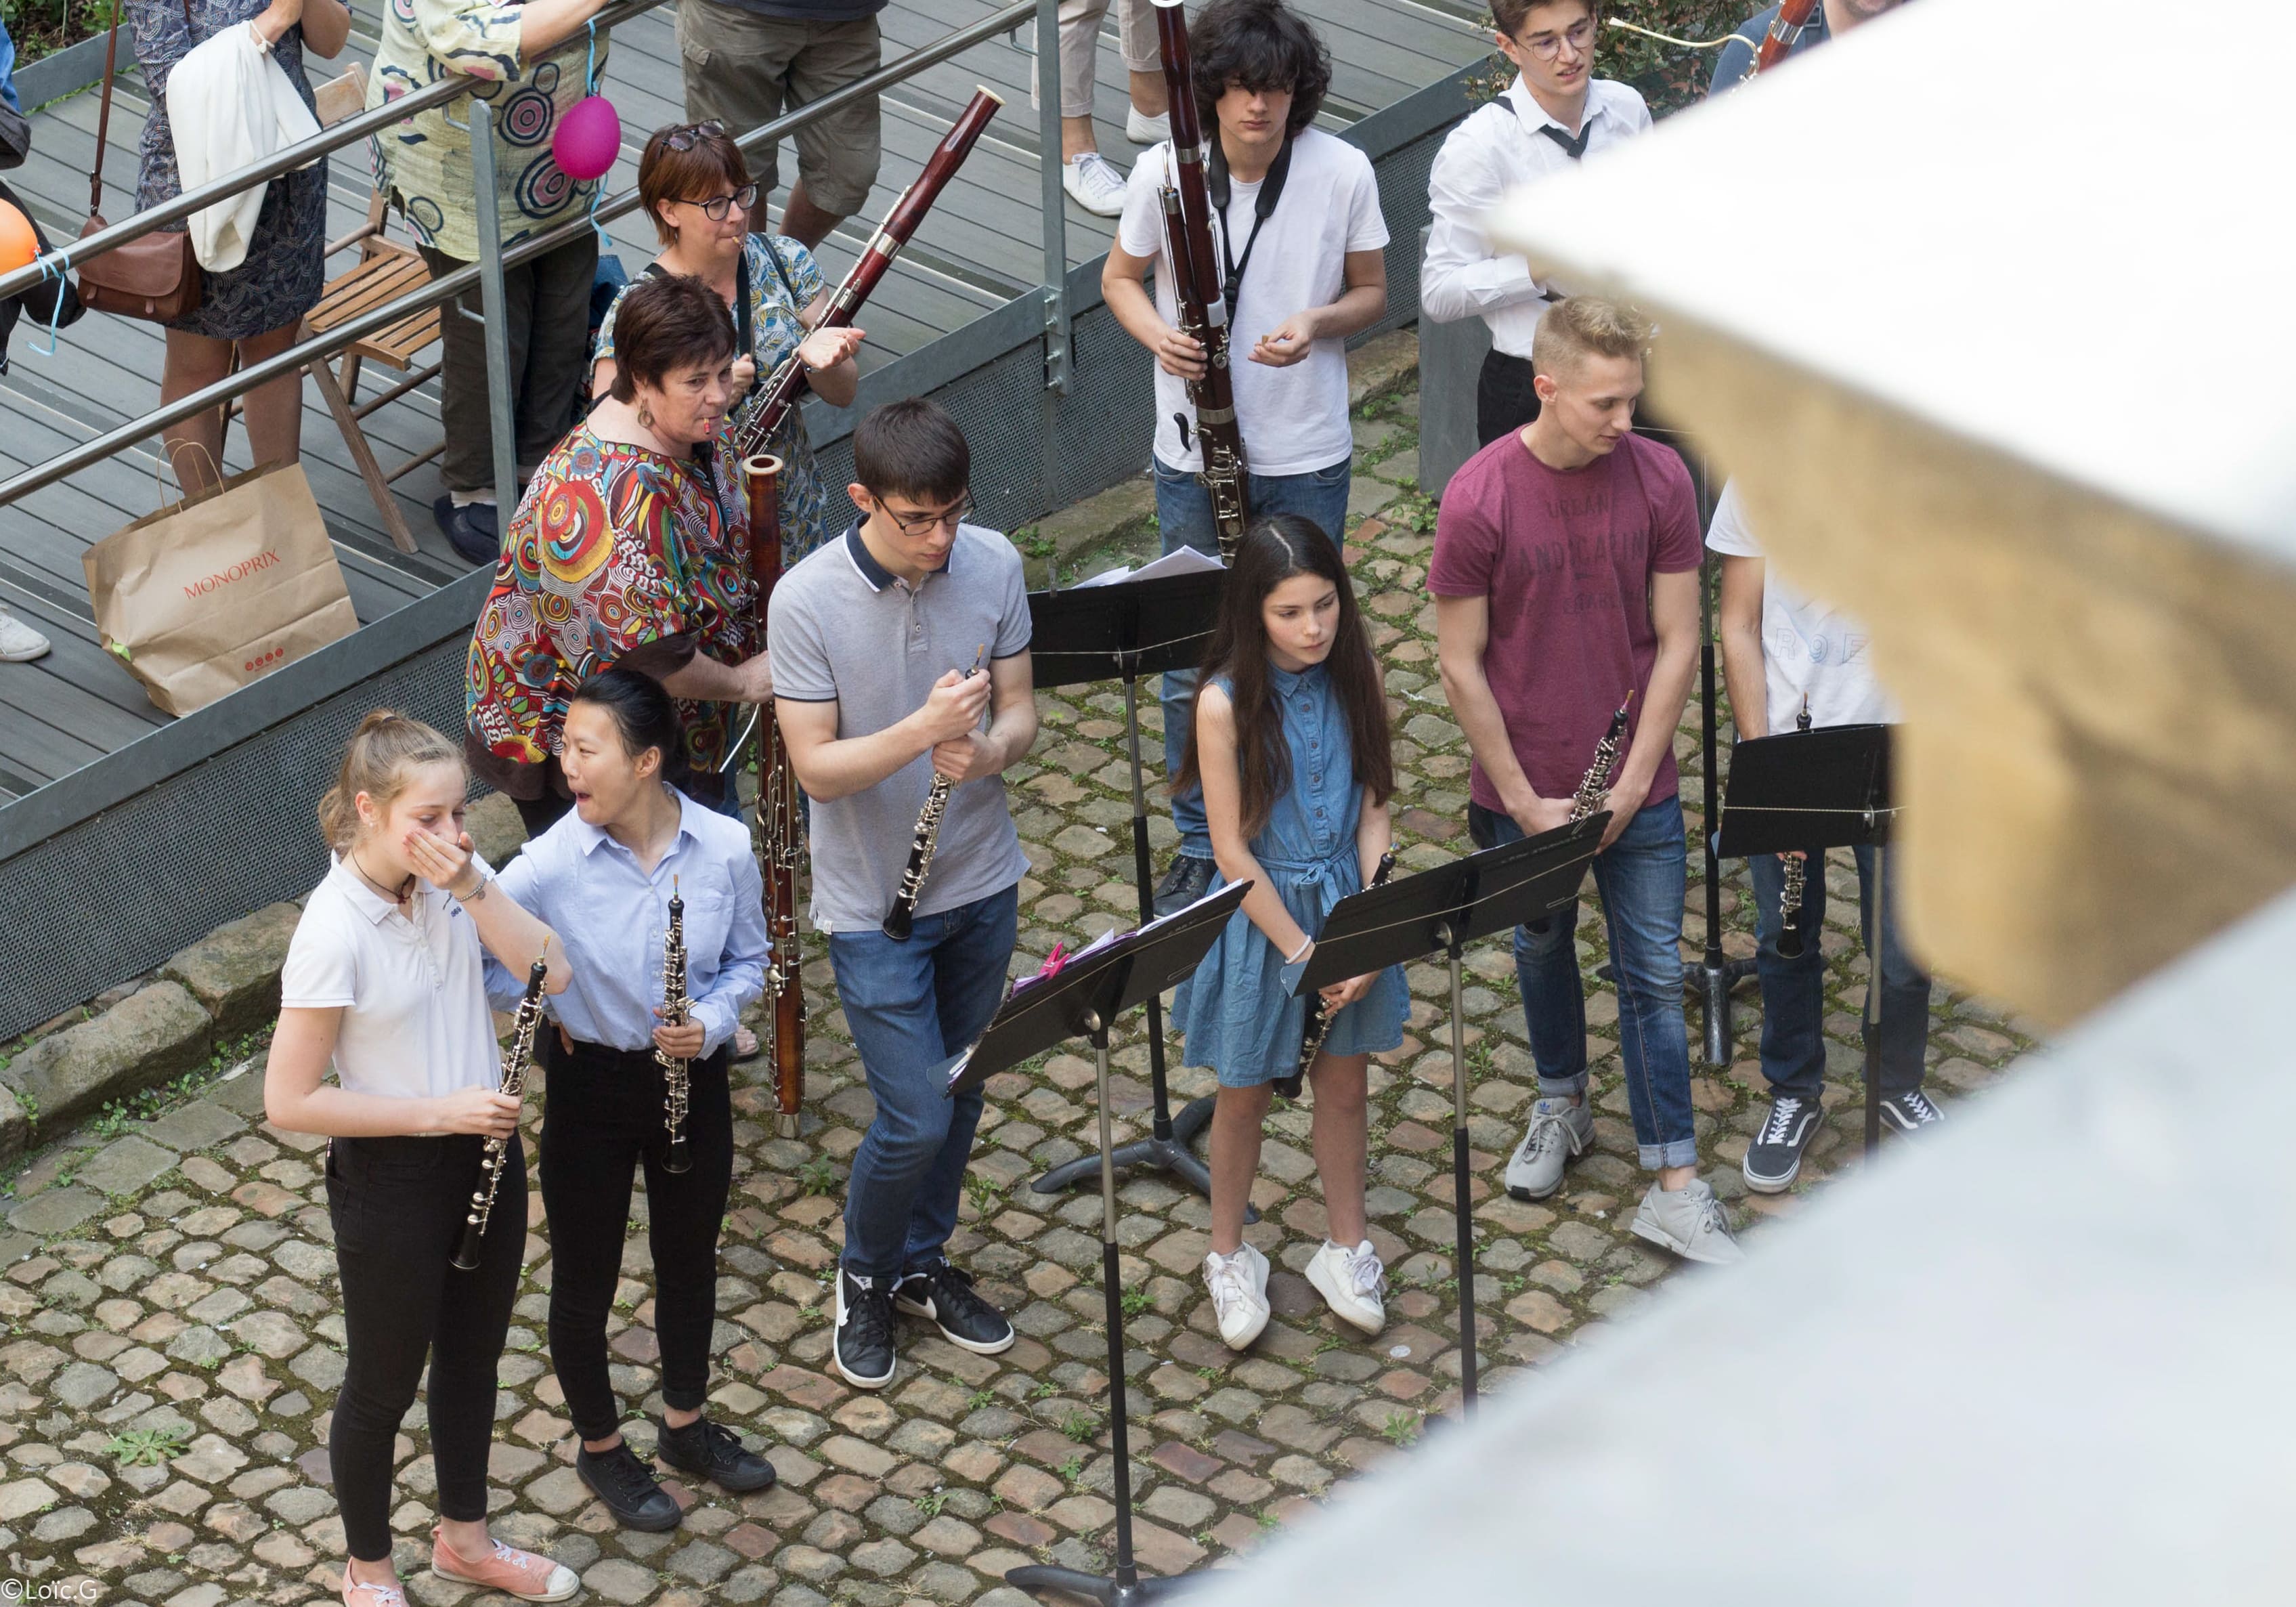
<point>873,638</point>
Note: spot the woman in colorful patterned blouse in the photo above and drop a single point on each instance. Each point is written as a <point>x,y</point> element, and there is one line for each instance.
<point>531,62</point>
<point>629,548</point>
<point>696,186</point>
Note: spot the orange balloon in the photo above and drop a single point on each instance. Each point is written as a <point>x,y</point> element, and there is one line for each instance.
<point>18,244</point>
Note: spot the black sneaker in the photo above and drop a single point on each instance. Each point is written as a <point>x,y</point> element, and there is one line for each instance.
<point>944,1293</point>
<point>1909,1110</point>
<point>1774,1160</point>
<point>707,1450</point>
<point>628,1488</point>
<point>1188,879</point>
<point>863,1346</point>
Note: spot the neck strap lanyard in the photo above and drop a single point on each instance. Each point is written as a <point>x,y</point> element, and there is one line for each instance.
<point>1271,191</point>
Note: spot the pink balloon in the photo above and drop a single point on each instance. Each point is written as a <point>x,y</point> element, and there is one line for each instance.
<point>589,137</point>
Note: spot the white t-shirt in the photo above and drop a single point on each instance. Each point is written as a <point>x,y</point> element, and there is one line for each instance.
<point>1294,420</point>
<point>412,987</point>
<point>1807,647</point>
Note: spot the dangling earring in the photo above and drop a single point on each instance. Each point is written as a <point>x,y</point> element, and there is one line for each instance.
<point>645,419</point>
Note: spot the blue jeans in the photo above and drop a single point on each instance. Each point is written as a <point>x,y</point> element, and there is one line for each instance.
<point>1641,878</point>
<point>911,1006</point>
<point>1793,991</point>
<point>1184,517</point>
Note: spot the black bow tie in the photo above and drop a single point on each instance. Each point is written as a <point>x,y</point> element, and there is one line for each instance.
<point>1574,149</point>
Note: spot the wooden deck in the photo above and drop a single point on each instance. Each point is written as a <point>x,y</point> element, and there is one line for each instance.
<point>980,247</point>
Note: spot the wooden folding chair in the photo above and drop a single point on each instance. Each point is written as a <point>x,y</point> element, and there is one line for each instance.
<point>385,271</point>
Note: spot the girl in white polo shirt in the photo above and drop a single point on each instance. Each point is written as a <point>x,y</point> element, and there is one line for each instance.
<point>384,980</point>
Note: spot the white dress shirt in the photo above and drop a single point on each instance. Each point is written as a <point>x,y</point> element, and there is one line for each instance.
<point>1496,148</point>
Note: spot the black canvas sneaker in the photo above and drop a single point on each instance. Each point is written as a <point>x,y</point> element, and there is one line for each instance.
<point>1774,1160</point>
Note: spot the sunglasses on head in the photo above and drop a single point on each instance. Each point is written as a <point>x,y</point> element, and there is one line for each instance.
<point>684,137</point>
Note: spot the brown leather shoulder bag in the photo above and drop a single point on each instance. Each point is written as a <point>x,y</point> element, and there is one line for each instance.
<point>155,275</point>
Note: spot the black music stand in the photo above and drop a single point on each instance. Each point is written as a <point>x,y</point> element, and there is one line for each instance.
<point>1444,910</point>
<point>1085,998</point>
<point>1122,631</point>
<point>1817,789</point>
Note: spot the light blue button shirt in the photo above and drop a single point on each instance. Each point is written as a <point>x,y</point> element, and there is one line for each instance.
<point>611,915</point>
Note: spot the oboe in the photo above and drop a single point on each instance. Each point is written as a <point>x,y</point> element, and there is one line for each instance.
<point>780,837</point>
<point>1790,942</point>
<point>1198,292</point>
<point>514,1083</point>
<point>1595,784</point>
<point>901,918</point>
<point>787,383</point>
<point>677,1010</point>
<point>1318,1026</point>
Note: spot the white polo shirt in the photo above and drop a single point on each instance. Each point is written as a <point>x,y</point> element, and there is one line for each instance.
<point>410,986</point>
<point>1495,149</point>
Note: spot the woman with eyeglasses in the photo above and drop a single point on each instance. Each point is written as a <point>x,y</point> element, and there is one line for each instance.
<point>631,549</point>
<point>696,186</point>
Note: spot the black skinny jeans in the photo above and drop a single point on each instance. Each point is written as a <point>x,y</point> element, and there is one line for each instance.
<point>604,1119</point>
<point>397,1205</point>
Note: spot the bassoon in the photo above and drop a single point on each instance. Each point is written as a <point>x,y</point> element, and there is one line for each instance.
<point>1785,32</point>
<point>1199,293</point>
<point>787,384</point>
<point>779,826</point>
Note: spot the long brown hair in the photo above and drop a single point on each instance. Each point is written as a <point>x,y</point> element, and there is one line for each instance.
<point>1276,548</point>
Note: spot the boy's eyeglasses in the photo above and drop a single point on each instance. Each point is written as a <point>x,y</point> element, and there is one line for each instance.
<point>1580,35</point>
<point>913,525</point>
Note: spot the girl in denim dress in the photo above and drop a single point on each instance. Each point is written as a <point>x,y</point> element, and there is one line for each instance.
<point>1290,748</point>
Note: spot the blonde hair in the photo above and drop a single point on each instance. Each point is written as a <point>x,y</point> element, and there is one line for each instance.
<point>379,760</point>
<point>1582,326</point>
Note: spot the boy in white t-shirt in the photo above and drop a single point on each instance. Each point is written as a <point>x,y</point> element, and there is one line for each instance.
<point>1781,650</point>
<point>1299,238</point>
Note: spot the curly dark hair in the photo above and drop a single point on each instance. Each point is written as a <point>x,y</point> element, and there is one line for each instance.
<point>1258,44</point>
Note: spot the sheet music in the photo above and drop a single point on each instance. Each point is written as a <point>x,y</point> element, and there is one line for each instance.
<point>1181,561</point>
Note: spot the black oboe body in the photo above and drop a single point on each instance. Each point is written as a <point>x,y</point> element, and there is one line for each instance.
<point>514,1083</point>
<point>677,1010</point>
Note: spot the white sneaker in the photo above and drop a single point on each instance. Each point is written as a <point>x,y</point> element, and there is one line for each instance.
<point>1094,183</point>
<point>19,643</point>
<point>1690,1222</point>
<point>1351,1282</point>
<point>1143,130</point>
<point>1238,1286</point>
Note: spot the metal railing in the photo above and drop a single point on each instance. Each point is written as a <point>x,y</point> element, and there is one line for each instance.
<point>485,276</point>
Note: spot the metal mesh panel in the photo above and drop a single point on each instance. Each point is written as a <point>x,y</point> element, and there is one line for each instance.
<point>1403,175</point>
<point>178,860</point>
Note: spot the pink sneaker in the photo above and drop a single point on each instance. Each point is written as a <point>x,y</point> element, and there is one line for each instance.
<point>512,1571</point>
<point>358,1594</point>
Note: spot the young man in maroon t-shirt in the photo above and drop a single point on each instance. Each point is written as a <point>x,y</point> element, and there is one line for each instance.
<point>1565,578</point>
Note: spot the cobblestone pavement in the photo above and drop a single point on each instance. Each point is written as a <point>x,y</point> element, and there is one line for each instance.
<point>174,1344</point>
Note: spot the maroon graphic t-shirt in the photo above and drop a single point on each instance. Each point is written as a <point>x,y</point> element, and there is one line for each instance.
<point>1565,557</point>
